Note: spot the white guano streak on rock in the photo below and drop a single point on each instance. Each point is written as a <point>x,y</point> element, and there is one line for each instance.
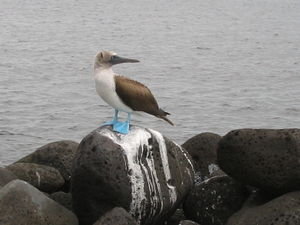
<point>211,178</point>
<point>190,162</point>
<point>185,154</point>
<point>131,143</point>
<point>39,178</point>
<point>153,183</point>
<point>165,162</point>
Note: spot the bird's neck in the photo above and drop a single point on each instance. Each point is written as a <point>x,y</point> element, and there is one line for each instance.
<point>107,70</point>
<point>104,75</point>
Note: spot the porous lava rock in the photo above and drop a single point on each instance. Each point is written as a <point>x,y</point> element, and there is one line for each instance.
<point>279,211</point>
<point>177,216</point>
<point>45,178</point>
<point>58,155</point>
<point>6,176</point>
<point>213,201</point>
<point>63,198</point>
<point>143,172</point>
<point>264,158</point>
<point>203,150</point>
<point>23,204</point>
<point>116,216</point>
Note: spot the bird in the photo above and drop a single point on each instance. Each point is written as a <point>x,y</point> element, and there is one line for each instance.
<point>123,94</point>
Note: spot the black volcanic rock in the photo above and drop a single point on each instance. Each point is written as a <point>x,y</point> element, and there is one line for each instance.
<point>203,149</point>
<point>23,204</point>
<point>45,178</point>
<point>188,222</point>
<point>143,172</point>
<point>58,155</point>
<point>6,176</point>
<point>116,216</point>
<point>177,216</point>
<point>279,211</point>
<point>213,201</point>
<point>265,158</point>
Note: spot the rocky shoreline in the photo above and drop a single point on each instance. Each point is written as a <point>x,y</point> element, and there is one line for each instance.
<point>247,177</point>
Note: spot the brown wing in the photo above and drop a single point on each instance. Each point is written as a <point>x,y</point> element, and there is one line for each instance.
<point>136,95</point>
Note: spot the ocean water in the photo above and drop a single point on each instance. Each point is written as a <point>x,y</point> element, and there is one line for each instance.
<point>215,65</point>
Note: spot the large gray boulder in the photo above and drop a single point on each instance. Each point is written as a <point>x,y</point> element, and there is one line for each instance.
<point>257,210</point>
<point>23,204</point>
<point>143,172</point>
<point>265,158</point>
<point>58,155</point>
<point>44,178</point>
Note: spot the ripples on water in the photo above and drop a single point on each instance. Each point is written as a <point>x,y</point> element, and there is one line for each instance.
<point>215,65</point>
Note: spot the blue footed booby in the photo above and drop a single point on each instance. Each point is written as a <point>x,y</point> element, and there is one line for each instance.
<point>122,93</point>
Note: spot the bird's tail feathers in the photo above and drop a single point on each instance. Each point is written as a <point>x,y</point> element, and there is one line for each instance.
<point>163,115</point>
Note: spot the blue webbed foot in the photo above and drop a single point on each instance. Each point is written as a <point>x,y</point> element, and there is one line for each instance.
<point>121,127</point>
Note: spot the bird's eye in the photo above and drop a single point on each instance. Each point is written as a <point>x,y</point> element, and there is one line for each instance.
<point>113,57</point>
<point>101,55</point>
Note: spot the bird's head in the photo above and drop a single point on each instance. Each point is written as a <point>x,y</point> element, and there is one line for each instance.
<point>107,59</point>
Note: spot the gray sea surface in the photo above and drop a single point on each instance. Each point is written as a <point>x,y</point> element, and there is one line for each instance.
<point>215,65</point>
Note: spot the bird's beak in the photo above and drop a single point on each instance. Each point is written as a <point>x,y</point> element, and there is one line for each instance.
<point>117,60</point>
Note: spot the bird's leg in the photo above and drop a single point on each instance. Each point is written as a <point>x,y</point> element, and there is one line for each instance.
<point>123,127</point>
<point>115,119</point>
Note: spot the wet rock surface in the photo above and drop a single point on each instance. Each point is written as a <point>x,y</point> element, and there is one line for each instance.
<point>203,150</point>
<point>44,178</point>
<point>6,176</point>
<point>116,216</point>
<point>265,158</point>
<point>143,172</point>
<point>279,211</point>
<point>23,204</point>
<point>58,155</point>
<point>213,201</point>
